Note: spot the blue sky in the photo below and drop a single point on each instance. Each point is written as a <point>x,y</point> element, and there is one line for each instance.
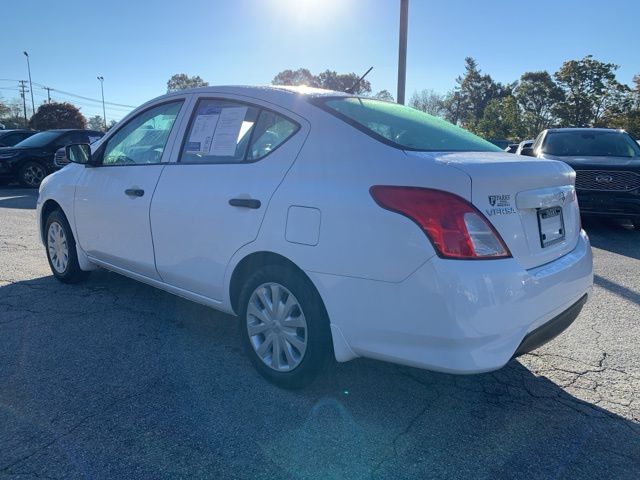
<point>138,45</point>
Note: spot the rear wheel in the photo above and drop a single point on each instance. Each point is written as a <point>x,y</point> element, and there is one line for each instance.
<point>284,326</point>
<point>61,249</point>
<point>32,174</point>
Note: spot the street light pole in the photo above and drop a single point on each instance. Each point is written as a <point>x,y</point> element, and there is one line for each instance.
<point>33,105</point>
<point>402,50</point>
<point>104,112</point>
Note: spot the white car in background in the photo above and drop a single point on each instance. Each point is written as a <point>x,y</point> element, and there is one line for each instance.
<point>331,224</point>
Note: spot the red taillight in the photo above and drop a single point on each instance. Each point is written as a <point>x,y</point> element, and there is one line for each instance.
<point>455,227</point>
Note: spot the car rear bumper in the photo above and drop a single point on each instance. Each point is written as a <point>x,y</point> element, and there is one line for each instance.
<point>454,316</point>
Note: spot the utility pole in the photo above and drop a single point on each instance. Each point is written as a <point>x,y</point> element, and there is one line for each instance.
<point>402,50</point>
<point>104,112</point>
<point>33,105</point>
<point>48,89</point>
<point>22,88</point>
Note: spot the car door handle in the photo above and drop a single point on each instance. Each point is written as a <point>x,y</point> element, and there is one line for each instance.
<point>134,192</point>
<point>245,202</point>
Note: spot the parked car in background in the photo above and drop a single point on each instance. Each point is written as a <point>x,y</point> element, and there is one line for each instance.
<point>502,144</point>
<point>331,224</point>
<point>8,138</point>
<point>511,148</point>
<point>29,161</point>
<point>524,144</point>
<point>607,165</point>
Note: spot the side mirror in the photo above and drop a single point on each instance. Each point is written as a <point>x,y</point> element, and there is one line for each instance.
<point>527,152</point>
<point>79,153</point>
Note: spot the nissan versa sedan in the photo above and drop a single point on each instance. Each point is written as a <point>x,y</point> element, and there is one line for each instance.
<point>332,225</point>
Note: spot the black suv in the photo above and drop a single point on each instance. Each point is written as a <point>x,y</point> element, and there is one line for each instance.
<point>607,165</point>
<point>32,159</point>
<point>8,138</point>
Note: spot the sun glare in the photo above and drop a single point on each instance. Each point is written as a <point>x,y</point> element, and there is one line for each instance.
<point>310,11</point>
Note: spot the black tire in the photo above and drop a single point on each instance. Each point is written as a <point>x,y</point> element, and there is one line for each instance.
<point>31,174</point>
<point>71,272</point>
<point>318,335</point>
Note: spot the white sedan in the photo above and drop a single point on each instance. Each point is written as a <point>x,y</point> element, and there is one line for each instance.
<point>332,225</point>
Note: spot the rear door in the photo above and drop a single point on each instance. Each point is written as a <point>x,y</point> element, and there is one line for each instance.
<point>112,200</point>
<point>212,199</point>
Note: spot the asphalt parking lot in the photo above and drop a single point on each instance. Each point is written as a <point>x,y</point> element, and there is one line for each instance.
<point>114,379</point>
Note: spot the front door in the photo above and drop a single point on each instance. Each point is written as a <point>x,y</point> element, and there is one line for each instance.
<point>112,200</point>
<point>212,199</point>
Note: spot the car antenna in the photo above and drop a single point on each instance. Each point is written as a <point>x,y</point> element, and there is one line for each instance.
<point>353,87</point>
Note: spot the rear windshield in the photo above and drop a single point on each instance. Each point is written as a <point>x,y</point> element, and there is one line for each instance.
<point>39,139</point>
<point>403,127</point>
<point>590,143</point>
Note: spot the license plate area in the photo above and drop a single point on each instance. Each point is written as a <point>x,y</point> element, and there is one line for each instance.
<point>550,226</point>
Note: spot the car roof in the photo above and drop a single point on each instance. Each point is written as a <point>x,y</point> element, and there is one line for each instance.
<point>17,130</point>
<point>264,90</point>
<point>584,129</point>
<point>65,130</point>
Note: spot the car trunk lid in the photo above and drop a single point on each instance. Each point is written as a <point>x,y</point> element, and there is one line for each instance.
<point>530,202</point>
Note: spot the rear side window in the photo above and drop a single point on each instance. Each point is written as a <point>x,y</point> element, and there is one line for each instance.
<point>223,131</point>
<point>404,127</point>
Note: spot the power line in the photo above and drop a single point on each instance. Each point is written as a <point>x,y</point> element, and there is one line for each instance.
<point>71,94</point>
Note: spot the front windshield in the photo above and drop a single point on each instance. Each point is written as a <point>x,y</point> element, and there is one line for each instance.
<point>39,139</point>
<point>595,143</point>
<point>404,127</point>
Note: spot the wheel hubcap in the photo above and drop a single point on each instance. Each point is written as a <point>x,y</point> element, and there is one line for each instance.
<point>58,247</point>
<point>277,327</point>
<point>33,175</point>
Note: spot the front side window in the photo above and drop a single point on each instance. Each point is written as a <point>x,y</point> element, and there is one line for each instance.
<point>224,131</point>
<point>594,143</point>
<point>403,127</point>
<point>142,140</point>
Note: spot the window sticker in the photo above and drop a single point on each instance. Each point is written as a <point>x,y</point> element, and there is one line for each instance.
<point>227,131</point>
<point>202,133</point>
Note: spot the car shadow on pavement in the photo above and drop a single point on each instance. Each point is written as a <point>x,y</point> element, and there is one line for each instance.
<point>614,236</point>
<point>18,198</point>
<point>111,376</point>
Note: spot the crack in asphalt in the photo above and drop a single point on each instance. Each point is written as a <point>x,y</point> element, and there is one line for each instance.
<point>78,424</point>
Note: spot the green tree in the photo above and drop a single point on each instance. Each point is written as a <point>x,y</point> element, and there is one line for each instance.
<point>301,76</point>
<point>428,101</point>
<point>13,116</point>
<point>57,115</point>
<point>384,95</point>
<point>466,103</point>
<point>501,119</point>
<point>181,81</point>
<point>342,82</point>
<point>329,79</point>
<point>590,87</point>
<point>537,94</point>
<point>95,123</point>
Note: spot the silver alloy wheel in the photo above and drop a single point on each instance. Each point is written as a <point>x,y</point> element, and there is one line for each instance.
<point>33,175</point>
<point>277,327</point>
<point>58,247</point>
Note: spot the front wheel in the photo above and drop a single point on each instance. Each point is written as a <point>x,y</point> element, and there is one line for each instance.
<point>61,249</point>
<point>284,326</point>
<point>32,174</point>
